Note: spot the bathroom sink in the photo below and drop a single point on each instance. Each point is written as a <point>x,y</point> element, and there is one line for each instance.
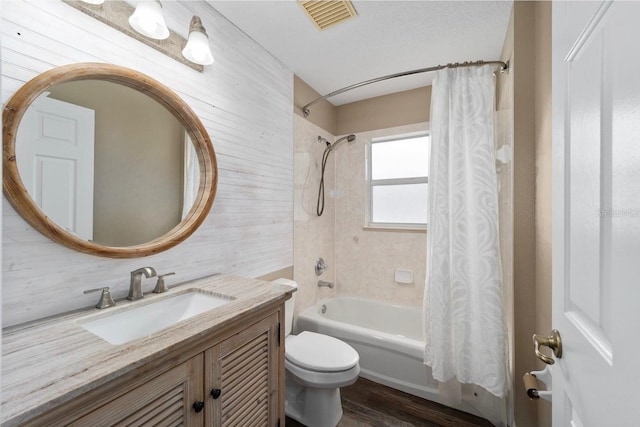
<point>145,319</point>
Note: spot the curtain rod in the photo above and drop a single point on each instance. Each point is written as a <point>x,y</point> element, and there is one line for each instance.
<point>504,66</point>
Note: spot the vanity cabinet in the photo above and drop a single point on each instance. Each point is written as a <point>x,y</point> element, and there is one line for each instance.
<point>242,377</point>
<point>233,380</point>
<point>165,400</point>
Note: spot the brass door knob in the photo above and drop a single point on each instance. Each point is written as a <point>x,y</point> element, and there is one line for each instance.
<point>554,342</point>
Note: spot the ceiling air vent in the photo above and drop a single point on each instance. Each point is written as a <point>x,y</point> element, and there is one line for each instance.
<point>325,13</point>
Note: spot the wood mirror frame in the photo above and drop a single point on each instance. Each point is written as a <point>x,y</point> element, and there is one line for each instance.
<point>20,199</point>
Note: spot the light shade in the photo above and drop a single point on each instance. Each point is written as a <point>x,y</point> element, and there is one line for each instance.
<point>93,1</point>
<point>197,48</point>
<point>148,20</point>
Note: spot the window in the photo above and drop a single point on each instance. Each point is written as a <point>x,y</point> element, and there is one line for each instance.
<point>397,178</point>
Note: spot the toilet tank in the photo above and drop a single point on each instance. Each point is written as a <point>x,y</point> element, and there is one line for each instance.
<point>288,305</point>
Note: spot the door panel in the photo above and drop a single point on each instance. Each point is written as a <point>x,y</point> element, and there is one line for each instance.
<point>244,368</point>
<point>54,151</point>
<point>596,211</point>
<point>163,401</point>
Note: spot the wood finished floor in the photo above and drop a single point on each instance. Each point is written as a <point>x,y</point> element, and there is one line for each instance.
<point>368,404</point>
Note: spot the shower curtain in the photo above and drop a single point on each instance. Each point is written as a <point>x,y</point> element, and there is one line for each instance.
<point>465,331</point>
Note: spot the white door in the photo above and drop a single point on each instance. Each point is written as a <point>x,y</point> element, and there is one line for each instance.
<point>596,213</point>
<point>54,154</point>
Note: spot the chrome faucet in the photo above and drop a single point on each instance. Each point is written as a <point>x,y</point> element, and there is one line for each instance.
<point>135,288</point>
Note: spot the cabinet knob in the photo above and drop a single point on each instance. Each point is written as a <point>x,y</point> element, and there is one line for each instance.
<point>198,406</point>
<point>215,393</point>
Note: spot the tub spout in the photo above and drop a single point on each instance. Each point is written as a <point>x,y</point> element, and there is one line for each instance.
<point>322,283</point>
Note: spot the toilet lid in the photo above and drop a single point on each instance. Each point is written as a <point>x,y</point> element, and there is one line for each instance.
<point>319,352</point>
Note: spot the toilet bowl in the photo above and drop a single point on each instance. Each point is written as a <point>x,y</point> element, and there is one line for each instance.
<point>316,366</point>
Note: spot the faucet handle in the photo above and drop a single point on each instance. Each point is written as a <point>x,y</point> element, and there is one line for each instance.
<point>160,285</point>
<point>105,297</point>
<point>320,266</point>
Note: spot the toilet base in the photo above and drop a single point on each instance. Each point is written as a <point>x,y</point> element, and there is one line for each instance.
<point>313,407</point>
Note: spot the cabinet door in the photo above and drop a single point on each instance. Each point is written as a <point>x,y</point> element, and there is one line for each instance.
<point>166,400</point>
<point>242,372</point>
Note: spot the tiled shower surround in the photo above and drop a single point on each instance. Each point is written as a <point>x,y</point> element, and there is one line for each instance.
<point>362,260</point>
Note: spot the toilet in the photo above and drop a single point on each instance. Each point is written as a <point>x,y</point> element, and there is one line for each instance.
<point>316,366</point>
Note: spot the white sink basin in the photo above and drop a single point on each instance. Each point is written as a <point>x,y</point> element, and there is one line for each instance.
<point>145,319</point>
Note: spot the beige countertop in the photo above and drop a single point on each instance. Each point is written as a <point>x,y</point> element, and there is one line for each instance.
<point>49,362</point>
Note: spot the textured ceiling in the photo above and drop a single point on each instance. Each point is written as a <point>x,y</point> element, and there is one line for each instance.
<point>386,37</point>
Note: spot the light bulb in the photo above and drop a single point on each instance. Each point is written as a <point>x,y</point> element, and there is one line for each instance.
<point>197,48</point>
<point>148,20</point>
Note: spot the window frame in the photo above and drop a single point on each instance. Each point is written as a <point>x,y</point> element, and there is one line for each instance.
<point>371,183</point>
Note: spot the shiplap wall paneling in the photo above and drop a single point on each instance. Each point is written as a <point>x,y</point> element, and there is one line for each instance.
<point>244,100</point>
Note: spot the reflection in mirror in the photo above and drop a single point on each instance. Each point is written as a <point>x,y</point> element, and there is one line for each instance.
<point>149,202</point>
<point>106,162</point>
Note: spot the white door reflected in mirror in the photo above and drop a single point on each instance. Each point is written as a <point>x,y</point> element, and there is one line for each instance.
<point>56,146</point>
<point>139,179</point>
<point>134,189</point>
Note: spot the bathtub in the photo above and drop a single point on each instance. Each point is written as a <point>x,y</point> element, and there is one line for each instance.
<point>388,339</point>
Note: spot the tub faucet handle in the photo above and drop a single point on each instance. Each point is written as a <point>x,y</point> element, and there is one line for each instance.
<point>321,266</point>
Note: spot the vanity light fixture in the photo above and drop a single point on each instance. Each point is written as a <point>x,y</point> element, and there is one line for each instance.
<point>197,48</point>
<point>148,20</point>
<point>146,24</point>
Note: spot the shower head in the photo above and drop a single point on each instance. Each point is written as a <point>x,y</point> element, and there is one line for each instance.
<point>325,157</point>
<point>349,138</point>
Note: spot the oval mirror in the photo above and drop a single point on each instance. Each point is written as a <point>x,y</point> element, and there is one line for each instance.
<point>107,161</point>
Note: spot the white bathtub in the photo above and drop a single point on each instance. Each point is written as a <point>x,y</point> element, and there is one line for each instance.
<point>388,339</point>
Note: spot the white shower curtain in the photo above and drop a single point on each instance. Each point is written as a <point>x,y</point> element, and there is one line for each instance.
<point>463,304</point>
